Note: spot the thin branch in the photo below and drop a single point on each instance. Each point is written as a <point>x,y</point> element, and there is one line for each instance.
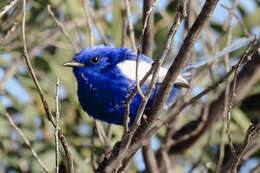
<point>99,28</point>
<point>248,53</point>
<point>181,59</point>
<point>130,25</point>
<point>150,159</point>
<point>252,132</point>
<point>148,94</point>
<point>102,136</point>
<point>89,22</point>
<point>43,99</point>
<point>7,7</point>
<point>8,74</point>
<point>147,41</point>
<point>226,101</point>
<point>227,107</point>
<point>251,149</point>
<point>124,30</point>
<point>131,96</point>
<point>57,152</point>
<point>62,28</point>
<point>242,25</point>
<point>140,47</point>
<point>138,88</point>
<point>27,142</point>
<point>221,145</point>
<point>167,161</point>
<point>147,49</point>
<point>9,33</point>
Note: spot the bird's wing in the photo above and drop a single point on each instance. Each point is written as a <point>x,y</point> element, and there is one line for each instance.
<point>128,68</point>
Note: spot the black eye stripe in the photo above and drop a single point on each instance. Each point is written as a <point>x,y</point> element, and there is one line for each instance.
<point>95,60</point>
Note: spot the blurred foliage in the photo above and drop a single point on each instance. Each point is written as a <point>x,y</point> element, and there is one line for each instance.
<point>50,49</point>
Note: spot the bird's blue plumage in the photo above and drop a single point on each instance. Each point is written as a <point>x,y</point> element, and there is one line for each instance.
<point>103,88</point>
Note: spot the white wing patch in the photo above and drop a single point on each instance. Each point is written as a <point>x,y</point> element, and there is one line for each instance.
<point>128,67</point>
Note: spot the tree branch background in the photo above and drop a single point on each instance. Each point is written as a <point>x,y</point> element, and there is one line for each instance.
<point>194,140</point>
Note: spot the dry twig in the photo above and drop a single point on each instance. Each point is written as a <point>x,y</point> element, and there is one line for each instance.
<point>27,142</point>
<point>57,152</point>
<point>252,132</point>
<point>227,86</point>
<point>89,21</point>
<point>62,28</point>
<point>130,25</point>
<point>43,99</point>
<point>7,7</point>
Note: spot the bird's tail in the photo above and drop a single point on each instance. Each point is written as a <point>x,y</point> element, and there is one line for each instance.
<point>242,42</point>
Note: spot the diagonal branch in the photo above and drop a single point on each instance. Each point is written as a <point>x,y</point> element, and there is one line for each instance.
<point>7,7</point>
<point>27,142</point>
<point>181,59</point>
<point>43,99</point>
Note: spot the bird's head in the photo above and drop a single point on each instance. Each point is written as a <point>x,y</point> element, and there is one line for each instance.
<point>98,59</point>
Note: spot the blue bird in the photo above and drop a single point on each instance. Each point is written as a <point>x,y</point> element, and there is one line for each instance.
<point>106,77</point>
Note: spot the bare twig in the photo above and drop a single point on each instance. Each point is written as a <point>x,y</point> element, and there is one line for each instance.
<point>140,46</point>
<point>7,7</point>
<point>131,96</point>
<point>144,98</point>
<point>89,22</point>
<point>221,145</point>
<point>27,142</point>
<point>99,28</point>
<point>9,73</point>
<point>181,59</point>
<point>226,101</point>
<point>9,33</point>
<point>124,30</point>
<point>147,49</point>
<point>62,28</point>
<point>245,30</point>
<point>227,108</point>
<point>147,41</point>
<point>167,161</point>
<point>43,99</point>
<point>252,132</point>
<point>130,25</point>
<point>57,152</point>
<point>150,159</point>
<point>102,136</point>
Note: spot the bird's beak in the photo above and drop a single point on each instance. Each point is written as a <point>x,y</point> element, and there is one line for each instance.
<point>73,63</point>
<point>180,81</point>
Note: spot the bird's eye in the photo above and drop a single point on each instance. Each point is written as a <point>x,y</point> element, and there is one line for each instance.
<point>95,60</point>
